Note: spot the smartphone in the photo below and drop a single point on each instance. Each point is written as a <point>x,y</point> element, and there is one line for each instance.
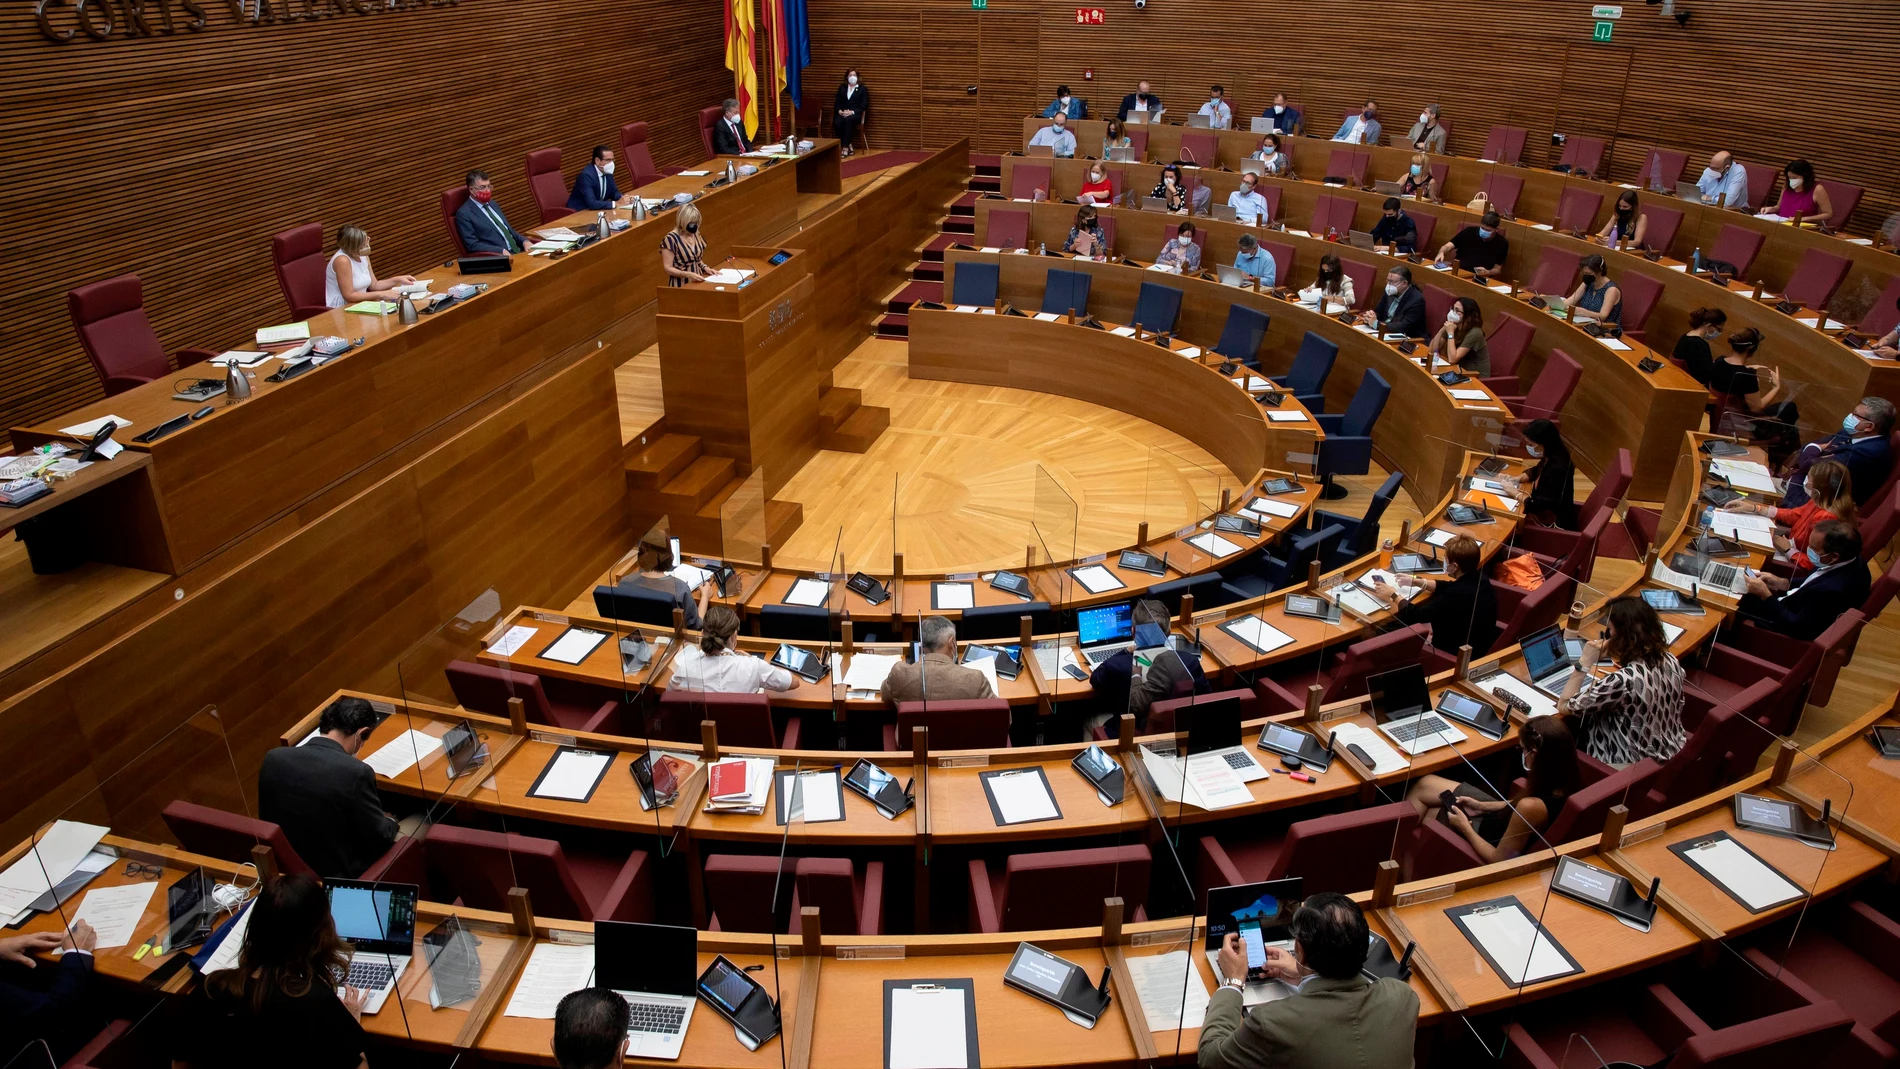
<point>1255,948</point>
<point>1074,672</point>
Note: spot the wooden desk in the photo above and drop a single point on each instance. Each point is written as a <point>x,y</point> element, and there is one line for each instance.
<point>95,502</point>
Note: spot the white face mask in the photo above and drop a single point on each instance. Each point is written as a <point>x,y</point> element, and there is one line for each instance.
<point>1794,181</point>
<point>1246,191</point>
<point>1065,101</point>
<point>1454,316</point>
<point>1185,240</point>
<point>607,168</point>
<point>1391,289</point>
<point>1279,109</point>
<point>1425,117</point>
<point>1270,150</point>
<point>852,79</point>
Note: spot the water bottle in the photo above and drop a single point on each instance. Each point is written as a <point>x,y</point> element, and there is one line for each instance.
<point>639,209</point>
<point>1696,264</point>
<point>732,175</point>
<point>406,310</point>
<point>1042,248</point>
<point>600,223</point>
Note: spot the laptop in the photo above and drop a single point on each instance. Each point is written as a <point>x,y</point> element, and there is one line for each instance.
<point>1105,631</point>
<point>1226,213</point>
<point>1154,204</point>
<point>1262,915</point>
<point>1123,154</point>
<point>1402,705</point>
<point>1233,276</point>
<point>1689,191</point>
<point>378,920</point>
<point>1390,189</point>
<point>1200,122</point>
<point>1547,661</point>
<point>1044,151</point>
<point>1139,118</point>
<point>1360,239</point>
<point>1260,124</point>
<point>1253,166</point>
<point>654,967</point>
<point>1728,578</point>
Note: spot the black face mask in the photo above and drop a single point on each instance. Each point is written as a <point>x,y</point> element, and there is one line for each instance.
<point>692,228</point>
<point>1589,279</point>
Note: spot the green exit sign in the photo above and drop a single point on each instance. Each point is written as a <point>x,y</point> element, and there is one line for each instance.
<point>979,5</point>
<point>1600,33</point>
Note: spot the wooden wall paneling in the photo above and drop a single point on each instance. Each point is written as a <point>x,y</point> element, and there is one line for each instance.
<point>948,59</point>
<point>1007,49</point>
<point>886,51</point>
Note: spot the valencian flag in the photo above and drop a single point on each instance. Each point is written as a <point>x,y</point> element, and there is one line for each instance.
<point>745,76</point>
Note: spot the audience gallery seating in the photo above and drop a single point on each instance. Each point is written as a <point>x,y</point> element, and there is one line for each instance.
<point>110,319</point>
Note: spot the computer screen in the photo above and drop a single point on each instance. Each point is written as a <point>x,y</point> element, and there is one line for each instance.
<point>373,913</point>
<point>659,959</point>
<point>1544,651</point>
<point>1110,623</point>
<point>1272,903</point>
<point>1400,692</point>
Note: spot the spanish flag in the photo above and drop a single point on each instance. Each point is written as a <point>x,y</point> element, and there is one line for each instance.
<point>739,60</point>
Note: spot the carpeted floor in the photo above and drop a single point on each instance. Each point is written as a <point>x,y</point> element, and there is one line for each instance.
<point>879,161</point>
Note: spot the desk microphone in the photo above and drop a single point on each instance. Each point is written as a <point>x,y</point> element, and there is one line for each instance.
<point>1405,960</point>
<point>1654,884</point>
<point>1103,988</point>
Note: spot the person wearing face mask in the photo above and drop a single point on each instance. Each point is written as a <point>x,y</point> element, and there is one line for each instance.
<point>1828,494</point>
<point>1171,189</point>
<point>479,222</point>
<point>1285,119</point>
<point>849,107</point>
<point>729,136</point>
<point>1462,609</point>
<point>1480,249</point>
<point>1395,228</point>
<point>1635,710</point>
<point>1272,152</point>
<point>1180,252</point>
<point>1057,137</point>
<point>1497,830</point>
<point>1624,224</point>
<point>1723,182</point>
<point>594,188</point>
<point>1692,352</point>
<point>1086,237</point>
<point>1550,486</point>
<point>1863,444</point>
<point>1096,188</point>
<point>347,278</point>
<point>1419,181</point>
<point>1737,384</point>
<point>1219,115</point>
<point>1336,1016</point>
<point>1402,310</point>
<point>1332,284</point>
<point>1142,100</point>
<point>1805,606</point>
<point>1462,342</point>
<point>1596,298</point>
<point>1427,135</point>
<point>683,249</point>
<point>1256,261</point>
<point>1803,200</point>
<point>1115,137</point>
<point>1067,104</point>
<point>1248,205</point>
<point>1360,128</point>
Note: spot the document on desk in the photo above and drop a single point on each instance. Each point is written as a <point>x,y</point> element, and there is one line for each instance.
<point>1052,662</point>
<point>571,775</point>
<point>1745,475</point>
<point>1746,528</point>
<point>1278,416</point>
<point>1512,940</point>
<point>511,640</point>
<point>1192,352</point>
<point>1541,704</point>
<point>240,357</point>
<point>928,1027</point>
<point>1209,542</point>
<point>1499,287</point>
<point>1171,990</point>
<point>817,798</point>
<point>693,577</point>
<point>1254,384</point>
<point>693,174</point>
<point>559,233</point>
<point>115,912</point>
<point>1391,583</point>
<point>1385,759</point>
<point>1614,343</point>
<point>1470,395</point>
<point>1020,795</point>
<point>1737,870</point>
<point>91,426</point>
<point>280,334</point>
<point>869,670</point>
<point>1048,317</point>
<point>1357,601</point>
<point>1670,633</point>
<point>808,592</point>
<point>553,970</point>
<point>383,308</point>
<point>1212,783</point>
<point>1096,579</point>
<point>1123,332</point>
<point>1285,510</point>
<point>1257,634</point>
<point>952,596</point>
<point>399,754</point>
<point>51,859</point>
<point>574,645</point>
<point>226,954</point>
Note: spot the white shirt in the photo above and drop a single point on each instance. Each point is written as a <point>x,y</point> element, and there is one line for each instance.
<point>1248,206</point>
<point>360,279</point>
<point>1219,115</point>
<point>727,672</point>
<point>1356,135</point>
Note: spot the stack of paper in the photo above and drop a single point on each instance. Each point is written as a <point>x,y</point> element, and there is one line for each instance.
<point>511,640</point>
<point>1384,758</point>
<point>1746,528</point>
<point>758,783</point>
<point>1285,510</point>
<point>693,577</point>
<point>729,276</point>
<point>52,858</point>
<point>553,970</point>
<point>1172,993</point>
<point>1541,704</point>
<point>868,670</point>
<point>399,754</point>
<point>559,233</point>
<point>286,333</point>
<point>548,246</point>
<point>1204,779</point>
<point>1745,475</point>
<point>1356,601</point>
<point>1391,583</point>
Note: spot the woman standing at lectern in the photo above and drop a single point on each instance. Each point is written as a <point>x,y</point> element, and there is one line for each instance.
<point>683,251</point>
<point>849,107</point>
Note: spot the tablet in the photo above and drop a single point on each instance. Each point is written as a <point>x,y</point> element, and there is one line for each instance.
<point>1103,772</point>
<point>1473,713</point>
<point>878,787</point>
<point>1312,606</point>
<point>739,999</point>
<point>804,664</point>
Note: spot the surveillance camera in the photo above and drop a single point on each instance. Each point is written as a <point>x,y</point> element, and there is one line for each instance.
<point>1139,4</point>
<point>1682,18</point>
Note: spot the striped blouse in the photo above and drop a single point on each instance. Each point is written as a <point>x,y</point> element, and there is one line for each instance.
<point>688,251</point>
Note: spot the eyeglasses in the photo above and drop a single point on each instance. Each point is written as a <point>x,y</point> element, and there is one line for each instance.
<point>144,871</point>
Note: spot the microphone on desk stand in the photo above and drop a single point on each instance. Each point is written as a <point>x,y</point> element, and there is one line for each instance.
<point>1654,884</point>
<point>1102,989</point>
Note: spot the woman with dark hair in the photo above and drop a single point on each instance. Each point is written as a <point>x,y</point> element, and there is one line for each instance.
<point>1552,481</point>
<point>1596,298</point>
<point>1634,711</point>
<point>1803,200</point>
<point>1737,384</point>
<point>1086,237</point>
<point>1462,341</point>
<point>715,665</point>
<point>1692,349</point>
<point>848,108</point>
<point>1171,188</point>
<point>1497,829</point>
<point>1624,224</point>
<point>1332,285</point>
<point>283,1005</point>
<point>652,563</point>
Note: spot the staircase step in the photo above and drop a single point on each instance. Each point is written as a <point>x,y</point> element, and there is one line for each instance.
<point>689,491</point>
<point>985,164</point>
<point>938,246</point>
<point>836,405</point>
<point>914,292</point>
<point>893,326</point>
<point>959,225</point>
<point>965,205</point>
<point>657,464</point>
<point>985,183</point>
<point>782,518</point>
<point>927,271</point>
<point>859,431</point>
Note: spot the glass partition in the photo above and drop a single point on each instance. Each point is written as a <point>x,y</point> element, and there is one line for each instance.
<point>1062,580</point>
<point>742,525</point>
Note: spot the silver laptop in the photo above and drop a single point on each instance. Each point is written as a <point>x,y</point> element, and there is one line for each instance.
<point>1103,632</point>
<point>1233,276</point>
<point>1548,660</point>
<point>1124,154</point>
<point>1154,204</point>
<point>1390,189</point>
<point>1140,118</point>
<point>1360,239</point>
<point>378,920</point>
<point>655,967</point>
<point>1045,151</point>
<point>1261,125</point>
<point>1199,121</point>
<point>1402,705</point>
<point>1689,191</point>
<point>1253,166</point>
<point>1226,213</point>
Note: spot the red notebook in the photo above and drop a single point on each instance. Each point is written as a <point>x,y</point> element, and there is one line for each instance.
<point>666,775</point>
<point>728,779</point>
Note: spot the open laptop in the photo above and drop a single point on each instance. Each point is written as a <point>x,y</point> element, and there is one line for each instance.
<point>1260,124</point>
<point>1729,578</point>
<point>1233,276</point>
<point>1123,154</point>
<point>1140,118</point>
<point>1104,631</point>
<point>378,920</point>
<point>654,967</point>
<point>1262,915</point>
<point>1226,213</point>
<point>1154,204</point>
<point>1548,661</point>
<point>1390,189</point>
<point>1045,151</point>
<point>1253,166</point>
<point>1689,191</point>
<point>1360,239</point>
<point>1402,705</point>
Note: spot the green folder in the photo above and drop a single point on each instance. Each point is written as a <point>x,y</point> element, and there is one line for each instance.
<point>373,308</point>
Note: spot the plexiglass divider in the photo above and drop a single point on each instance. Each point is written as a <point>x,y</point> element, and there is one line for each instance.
<point>1062,580</point>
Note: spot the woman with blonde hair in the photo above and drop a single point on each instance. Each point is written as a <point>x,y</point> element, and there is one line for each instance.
<point>347,278</point>
<point>683,250</point>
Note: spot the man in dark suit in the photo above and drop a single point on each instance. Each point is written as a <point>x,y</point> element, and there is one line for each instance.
<point>729,137</point>
<point>1402,309</point>
<point>480,224</point>
<point>1862,444</point>
<point>324,798</point>
<point>1286,119</point>
<point>1141,96</point>
<point>46,1001</point>
<point>1838,582</point>
<point>594,187</point>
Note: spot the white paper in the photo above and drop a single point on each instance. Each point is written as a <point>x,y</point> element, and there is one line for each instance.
<point>969,308</point>
<point>1171,990</point>
<point>1470,395</point>
<point>397,755</point>
<point>1748,529</point>
<point>1684,268</point>
<point>1097,579</point>
<point>1213,784</point>
<point>115,912</point>
<point>1286,417</point>
<point>728,277</point>
<point>547,246</point>
<point>1439,537</point>
<point>1744,874</point>
<point>573,646</point>
<point>1262,635</point>
<point>283,333</point>
<point>1671,633</point>
<point>1123,332</point>
<point>808,592</point>
<point>1391,582</point>
<point>1514,940</point>
<point>553,970</point>
<point>692,576</point>
<point>1021,795</point>
<point>927,1029</point>
<point>91,426</point>
<point>1541,704</point>
<point>987,666</point>
<point>51,859</point>
<point>573,775</point>
<point>240,357</point>
<point>817,799</point>
<point>1052,662</point>
<point>1360,602</point>
<point>1384,758</point>
<point>1209,542</point>
<point>1190,351</point>
<point>1285,510</point>
<point>693,174</point>
<point>512,640</point>
<point>1745,475</point>
<point>1614,343</point>
<point>953,595</point>
<point>1048,317</point>
<point>226,956</point>
<point>1499,287</point>
<point>559,233</point>
<point>1256,384</point>
<point>868,670</point>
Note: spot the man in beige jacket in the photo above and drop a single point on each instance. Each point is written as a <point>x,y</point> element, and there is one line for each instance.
<point>937,677</point>
<point>1337,1017</point>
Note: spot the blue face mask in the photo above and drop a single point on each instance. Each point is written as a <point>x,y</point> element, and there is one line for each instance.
<point>1417,170</point>
<point>1814,557</point>
<point>1850,423</point>
<point>1485,234</point>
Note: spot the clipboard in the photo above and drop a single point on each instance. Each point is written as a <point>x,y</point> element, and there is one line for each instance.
<point>996,811</point>
<point>555,757</point>
<point>1686,851</point>
<point>1458,915</point>
<point>782,786</point>
<point>971,1059</point>
<point>599,637</point>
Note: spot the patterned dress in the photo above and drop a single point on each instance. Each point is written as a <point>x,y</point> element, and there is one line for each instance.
<point>688,252</point>
<point>1633,713</point>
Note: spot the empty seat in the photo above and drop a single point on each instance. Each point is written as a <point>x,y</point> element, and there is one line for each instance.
<point>1005,621</point>
<point>484,688</point>
<point>1362,534</point>
<point>1007,229</point>
<point>1058,889</point>
<point>1347,447</point>
<point>1552,390</point>
<point>1346,677</point>
<point>1577,209</point>
<point>1241,335</point>
<point>1365,285</point>
<point>636,156</point>
<point>1502,190</point>
<point>1816,276</point>
<point>1582,155</point>
<point>1066,291</point>
<point>635,603</point>
<point>1850,952</point>
<point>1157,307</point>
<point>297,257</point>
<point>479,867</point>
<point>743,719</point>
<point>1884,314</point>
<point>974,283</point>
<point>1027,180</point>
<point>1760,179</point>
<point>1736,246</point>
<point>1339,853</point>
<point>975,724</point>
<point>1661,169</point>
<point>1556,272</point>
<point>1507,345</point>
<point>1640,294</point>
<point>110,319</point>
<point>1504,144</point>
<point>1659,233</point>
<point>1522,612</point>
<point>1349,164</point>
<point>1283,258</point>
<point>1200,149</point>
<point>1306,379</point>
<point>1334,214</point>
<point>740,889</point>
<point>547,185</point>
<point>1427,224</point>
<point>1843,198</point>
<point>1262,573</point>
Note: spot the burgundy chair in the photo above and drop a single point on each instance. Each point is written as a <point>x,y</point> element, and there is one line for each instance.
<point>230,837</point>
<point>1507,345</point>
<point>1335,213</point>
<point>977,724</point>
<point>1504,144</point>
<point>486,689</point>
<point>1736,245</point>
<point>545,181</point>
<point>638,157</point>
<point>1660,232</point>
<point>1283,256</point>
<point>1138,141</point>
<point>745,720</point>
<point>1843,197</point>
<point>1662,167</point>
<point>1552,390</point>
<point>809,116</point>
<point>1884,588</point>
<point>1556,272</point>
<point>1027,178</point>
<point>739,889</point>
<point>1501,191</point>
<point>1058,888</point>
<point>1007,230</point>
<point>1884,314</point>
<point>1272,195</point>
<point>1577,209</point>
<point>1363,275</point>
<point>1746,653</point>
<point>1201,149</point>
<point>476,868</point>
<point>297,257</point>
<point>452,200</point>
<point>109,318</point>
<point>99,1052</point>
<point>1107,223</point>
<point>1816,276</point>
<point>708,117</point>
<point>1340,852</point>
<point>1349,164</point>
<point>1850,953</point>
<point>1436,850</point>
<point>1640,294</point>
<point>1346,677</point>
<point>1437,304</point>
<point>849,902</point>
<point>1760,179</point>
<point>1703,763</point>
<point>1427,224</point>
<point>1583,155</point>
<point>1574,552</point>
<point>1523,612</point>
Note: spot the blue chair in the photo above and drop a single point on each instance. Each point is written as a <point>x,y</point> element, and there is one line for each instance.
<point>810,623</point>
<point>631,603</point>
<point>1240,337</point>
<point>1362,534</point>
<point>1306,379</point>
<point>1065,290</point>
<point>1347,448</point>
<point>990,622</point>
<point>1157,307</point>
<point>1267,573</point>
<point>974,283</point>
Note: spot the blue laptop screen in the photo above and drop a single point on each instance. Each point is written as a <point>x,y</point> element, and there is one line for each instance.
<point>1110,623</point>
<point>1544,652</point>
<point>371,914</point>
